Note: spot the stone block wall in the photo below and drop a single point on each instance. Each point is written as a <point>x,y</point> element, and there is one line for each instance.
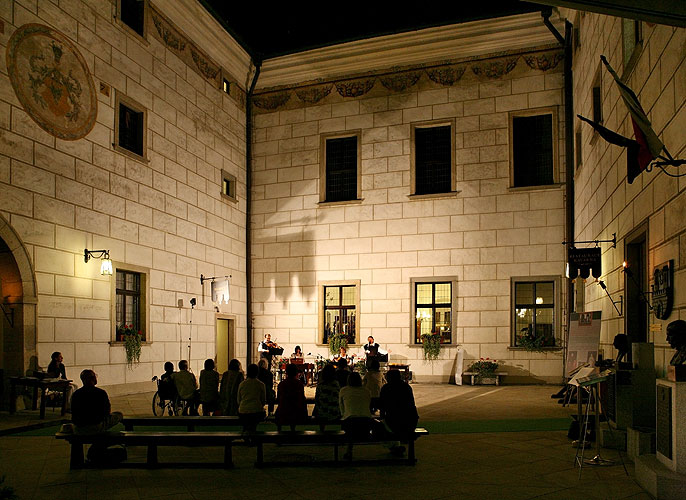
<point>165,215</point>
<point>484,235</point>
<point>604,201</point>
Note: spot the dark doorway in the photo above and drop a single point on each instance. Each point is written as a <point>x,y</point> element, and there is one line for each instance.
<point>635,284</point>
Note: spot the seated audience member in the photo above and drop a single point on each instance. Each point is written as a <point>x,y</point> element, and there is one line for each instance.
<point>187,387</point>
<point>342,372</point>
<point>356,419</point>
<point>228,392</point>
<point>292,409</point>
<point>209,388</point>
<point>56,369</point>
<point>167,389</point>
<point>251,400</point>
<point>267,378</point>
<point>398,409</point>
<point>91,410</point>
<point>373,381</point>
<point>326,407</point>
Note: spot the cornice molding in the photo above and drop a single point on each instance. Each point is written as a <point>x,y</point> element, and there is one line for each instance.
<point>204,30</point>
<point>405,49</point>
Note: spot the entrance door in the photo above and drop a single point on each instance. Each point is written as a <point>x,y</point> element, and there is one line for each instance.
<point>635,283</point>
<point>225,339</point>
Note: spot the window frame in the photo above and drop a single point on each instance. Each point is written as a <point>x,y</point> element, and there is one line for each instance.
<point>413,158</point>
<point>549,110</point>
<point>629,63</point>
<point>144,306</point>
<point>413,341</point>
<point>122,99</point>
<point>226,176</point>
<point>322,166</point>
<point>556,308</point>
<point>146,13</point>
<point>321,308</point>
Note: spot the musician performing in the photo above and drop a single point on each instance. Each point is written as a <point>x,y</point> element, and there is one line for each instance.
<point>373,351</point>
<point>269,349</point>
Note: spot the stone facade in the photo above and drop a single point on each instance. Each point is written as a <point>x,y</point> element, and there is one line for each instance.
<point>482,235</point>
<point>604,201</point>
<point>163,215</point>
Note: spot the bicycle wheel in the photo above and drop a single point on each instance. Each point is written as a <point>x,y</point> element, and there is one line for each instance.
<point>157,405</point>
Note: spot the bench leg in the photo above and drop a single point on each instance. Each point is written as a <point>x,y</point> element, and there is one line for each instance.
<point>410,451</point>
<point>228,456</point>
<point>152,455</point>
<point>76,456</point>
<point>260,454</point>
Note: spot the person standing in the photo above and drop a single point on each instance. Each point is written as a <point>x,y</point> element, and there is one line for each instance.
<point>373,381</point>
<point>209,388</point>
<point>356,419</point>
<point>267,378</point>
<point>252,397</point>
<point>326,406</point>
<point>91,410</point>
<point>292,406</point>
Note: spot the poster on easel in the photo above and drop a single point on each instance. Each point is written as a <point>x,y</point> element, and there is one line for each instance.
<point>584,339</point>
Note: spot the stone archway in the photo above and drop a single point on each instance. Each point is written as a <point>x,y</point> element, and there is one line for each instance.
<point>19,303</point>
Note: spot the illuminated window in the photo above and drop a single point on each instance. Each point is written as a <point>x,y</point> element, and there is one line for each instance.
<point>339,306</point>
<point>433,309</point>
<point>129,300</point>
<point>228,188</point>
<point>535,309</point>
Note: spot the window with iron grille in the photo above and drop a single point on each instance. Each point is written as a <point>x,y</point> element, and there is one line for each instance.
<point>341,169</point>
<point>533,150</point>
<point>129,300</point>
<point>535,312</point>
<point>340,312</point>
<point>433,159</point>
<point>433,310</point>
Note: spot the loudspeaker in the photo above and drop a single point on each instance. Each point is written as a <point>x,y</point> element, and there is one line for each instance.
<point>180,303</point>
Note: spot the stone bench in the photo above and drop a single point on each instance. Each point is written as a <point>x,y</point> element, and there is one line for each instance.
<point>475,375</point>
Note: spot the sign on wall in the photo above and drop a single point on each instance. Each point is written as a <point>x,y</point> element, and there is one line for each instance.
<point>220,291</point>
<point>663,290</point>
<point>584,262</point>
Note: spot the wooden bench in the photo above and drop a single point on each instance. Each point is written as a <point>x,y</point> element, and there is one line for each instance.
<point>475,375</point>
<point>326,438</point>
<point>190,422</point>
<point>77,442</point>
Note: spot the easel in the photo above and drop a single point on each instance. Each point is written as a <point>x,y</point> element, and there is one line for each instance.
<point>592,385</point>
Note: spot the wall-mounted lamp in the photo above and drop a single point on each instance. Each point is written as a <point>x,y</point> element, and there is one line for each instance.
<point>104,256</point>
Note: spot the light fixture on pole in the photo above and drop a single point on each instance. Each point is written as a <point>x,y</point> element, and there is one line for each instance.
<point>104,256</point>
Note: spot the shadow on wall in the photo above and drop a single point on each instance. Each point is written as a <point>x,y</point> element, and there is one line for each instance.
<point>292,276</point>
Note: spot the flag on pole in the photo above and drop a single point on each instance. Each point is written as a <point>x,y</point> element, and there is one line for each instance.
<point>633,165</point>
<point>650,146</point>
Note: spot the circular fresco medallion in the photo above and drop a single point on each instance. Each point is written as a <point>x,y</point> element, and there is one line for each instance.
<point>52,81</point>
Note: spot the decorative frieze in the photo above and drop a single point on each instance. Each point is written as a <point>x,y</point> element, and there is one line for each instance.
<point>271,101</point>
<point>312,95</point>
<point>400,82</point>
<point>446,75</point>
<point>545,61</point>
<point>355,88</point>
<point>495,68</point>
<point>189,53</point>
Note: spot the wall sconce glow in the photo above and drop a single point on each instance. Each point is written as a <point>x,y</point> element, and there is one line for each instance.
<point>104,256</point>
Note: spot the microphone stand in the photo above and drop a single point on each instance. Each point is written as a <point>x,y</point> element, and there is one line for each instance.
<point>190,334</point>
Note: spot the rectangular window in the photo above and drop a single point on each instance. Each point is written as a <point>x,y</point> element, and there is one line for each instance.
<point>132,14</point>
<point>226,86</point>
<point>130,127</point>
<point>338,310</point>
<point>340,179</point>
<point>129,300</point>
<point>228,190</point>
<point>433,311</point>
<point>535,309</point>
<point>533,148</point>
<point>577,148</point>
<point>432,171</point>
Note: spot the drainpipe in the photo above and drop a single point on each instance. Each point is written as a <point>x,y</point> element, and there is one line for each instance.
<point>248,210</point>
<point>569,151</point>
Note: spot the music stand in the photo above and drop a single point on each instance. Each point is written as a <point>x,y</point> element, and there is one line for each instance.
<point>592,384</point>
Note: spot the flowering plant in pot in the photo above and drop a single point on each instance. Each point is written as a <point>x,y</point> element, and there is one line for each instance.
<point>431,345</point>
<point>484,368</point>
<point>133,339</point>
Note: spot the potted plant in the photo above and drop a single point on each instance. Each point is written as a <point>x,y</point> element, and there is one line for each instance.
<point>529,340</point>
<point>485,370</point>
<point>336,341</point>
<point>431,345</point>
<point>132,344</point>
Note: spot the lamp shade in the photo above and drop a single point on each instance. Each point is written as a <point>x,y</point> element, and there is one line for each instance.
<point>106,267</point>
